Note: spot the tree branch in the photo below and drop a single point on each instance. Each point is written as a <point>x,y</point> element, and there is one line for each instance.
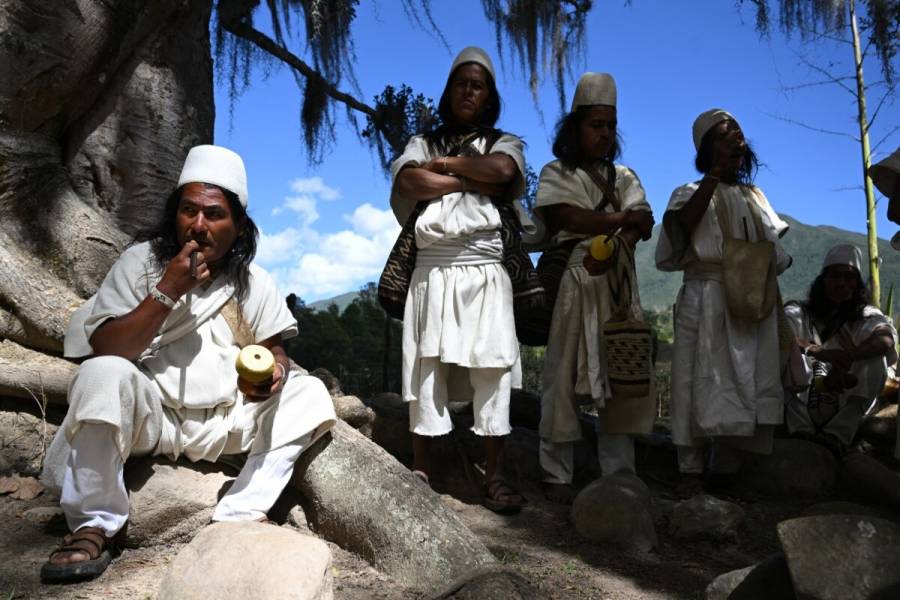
<point>885,138</point>
<point>815,83</point>
<point>833,78</point>
<point>811,128</point>
<point>889,93</point>
<point>267,44</point>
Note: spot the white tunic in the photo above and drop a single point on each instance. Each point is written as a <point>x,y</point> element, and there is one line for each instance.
<point>460,302</point>
<point>725,372</point>
<point>871,373</point>
<point>575,363</point>
<point>190,364</point>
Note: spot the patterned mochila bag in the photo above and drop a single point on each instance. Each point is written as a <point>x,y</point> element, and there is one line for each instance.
<point>628,341</point>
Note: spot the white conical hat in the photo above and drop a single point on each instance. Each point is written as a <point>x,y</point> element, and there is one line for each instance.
<point>218,166</point>
<point>474,54</point>
<point>595,89</point>
<point>706,121</point>
<point>843,254</point>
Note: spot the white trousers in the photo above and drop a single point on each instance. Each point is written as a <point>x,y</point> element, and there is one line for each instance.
<point>430,414</point>
<point>722,459</point>
<point>94,494</point>
<point>614,453</point>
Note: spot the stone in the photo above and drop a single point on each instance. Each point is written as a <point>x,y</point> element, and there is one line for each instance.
<point>842,557</point>
<point>796,469</point>
<point>864,478</point>
<point>486,583</point>
<point>769,579</point>
<point>706,517</point>
<point>296,518</point>
<point>43,515</point>
<point>615,510</point>
<point>880,429</point>
<point>170,502</point>
<point>249,560</point>
<point>842,507</point>
<point>352,410</point>
<point>23,440</point>
<point>332,383</point>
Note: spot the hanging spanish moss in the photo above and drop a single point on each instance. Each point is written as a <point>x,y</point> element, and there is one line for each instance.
<point>541,32</point>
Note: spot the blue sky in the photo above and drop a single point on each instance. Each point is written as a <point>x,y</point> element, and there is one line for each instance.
<point>327,228</point>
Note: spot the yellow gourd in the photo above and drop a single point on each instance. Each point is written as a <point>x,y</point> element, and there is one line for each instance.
<point>255,363</point>
<point>602,247</point>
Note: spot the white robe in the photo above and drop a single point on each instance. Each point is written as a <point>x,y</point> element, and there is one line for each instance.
<point>575,363</point>
<point>460,302</point>
<point>189,367</point>
<point>726,378</point>
<point>871,373</point>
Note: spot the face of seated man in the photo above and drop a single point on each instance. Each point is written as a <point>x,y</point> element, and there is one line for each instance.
<point>205,216</point>
<point>840,283</point>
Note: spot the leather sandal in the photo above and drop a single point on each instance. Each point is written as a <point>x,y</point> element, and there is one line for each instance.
<point>502,498</point>
<point>91,541</point>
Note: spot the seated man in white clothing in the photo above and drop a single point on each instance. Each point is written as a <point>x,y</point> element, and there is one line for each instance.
<point>849,345</point>
<point>164,329</point>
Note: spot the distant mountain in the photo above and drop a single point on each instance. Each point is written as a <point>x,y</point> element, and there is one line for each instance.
<point>807,244</point>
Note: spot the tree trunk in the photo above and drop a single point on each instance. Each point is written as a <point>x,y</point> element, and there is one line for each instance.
<point>862,119</point>
<point>358,496</point>
<point>99,103</point>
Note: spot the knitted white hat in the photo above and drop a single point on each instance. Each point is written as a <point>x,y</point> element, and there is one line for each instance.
<point>218,166</point>
<point>474,54</point>
<point>707,121</point>
<point>843,254</point>
<point>595,89</point>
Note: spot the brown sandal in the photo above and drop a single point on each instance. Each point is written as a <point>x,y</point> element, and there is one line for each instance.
<point>91,541</point>
<point>502,498</point>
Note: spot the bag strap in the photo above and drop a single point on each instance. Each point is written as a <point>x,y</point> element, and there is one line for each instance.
<point>607,185</point>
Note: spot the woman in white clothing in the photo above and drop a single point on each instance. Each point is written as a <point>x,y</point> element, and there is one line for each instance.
<point>458,327</point>
<point>726,376</point>
<point>582,194</point>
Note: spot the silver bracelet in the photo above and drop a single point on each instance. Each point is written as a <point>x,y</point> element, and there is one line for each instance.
<point>283,370</point>
<point>160,297</point>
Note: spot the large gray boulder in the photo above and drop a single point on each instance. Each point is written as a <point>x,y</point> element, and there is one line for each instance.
<point>249,560</point>
<point>842,557</point>
<point>865,478</point>
<point>170,502</point>
<point>795,469</point>
<point>482,584</point>
<point>615,510</point>
<point>23,440</point>
<point>358,496</point>
<point>769,579</point>
<point>706,517</point>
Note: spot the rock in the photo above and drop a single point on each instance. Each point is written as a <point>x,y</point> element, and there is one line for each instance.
<point>486,583</point>
<point>841,507</point>
<point>880,429</point>
<point>297,519</point>
<point>359,497</point>
<point>352,410</point>
<point>616,510</point>
<point>865,478</point>
<point>249,560</point>
<point>42,515</point>
<point>770,579</point>
<point>331,382</point>
<point>706,517</point>
<point>23,440</point>
<point>170,501</point>
<point>842,557</point>
<point>796,469</point>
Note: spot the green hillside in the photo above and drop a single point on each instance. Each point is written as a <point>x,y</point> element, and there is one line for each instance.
<point>807,244</point>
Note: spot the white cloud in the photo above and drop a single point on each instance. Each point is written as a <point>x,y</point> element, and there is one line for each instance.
<point>315,186</point>
<point>316,265</point>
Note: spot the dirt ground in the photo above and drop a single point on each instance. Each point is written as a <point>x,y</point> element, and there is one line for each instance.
<point>539,543</point>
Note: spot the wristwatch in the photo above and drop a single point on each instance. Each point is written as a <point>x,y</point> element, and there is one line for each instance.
<point>161,298</point>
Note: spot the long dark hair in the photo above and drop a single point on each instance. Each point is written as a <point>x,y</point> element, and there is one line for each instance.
<point>445,130</point>
<point>567,144</point>
<point>705,154</point>
<point>164,241</point>
<point>822,310</point>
